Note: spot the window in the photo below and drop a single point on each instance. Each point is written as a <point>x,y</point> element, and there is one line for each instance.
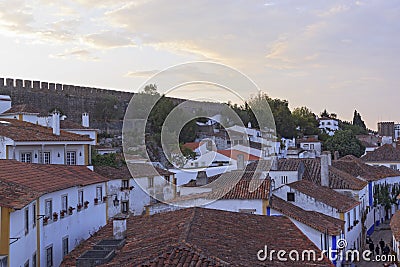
<point>26,221</point>
<point>80,197</point>
<point>26,263</point>
<point>167,178</point>
<point>26,157</point>
<point>125,183</point>
<point>34,260</point>
<point>34,214</point>
<point>124,206</point>
<point>393,166</point>
<point>311,146</point>
<point>151,181</point>
<point>290,196</point>
<point>48,208</point>
<point>65,246</point>
<point>64,202</point>
<point>348,220</point>
<point>49,256</point>
<point>284,179</point>
<point>99,193</point>
<point>71,158</point>
<point>45,157</point>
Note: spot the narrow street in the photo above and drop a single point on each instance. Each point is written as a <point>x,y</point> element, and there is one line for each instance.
<point>382,231</point>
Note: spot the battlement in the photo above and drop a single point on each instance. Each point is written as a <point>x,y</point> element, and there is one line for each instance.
<point>57,88</point>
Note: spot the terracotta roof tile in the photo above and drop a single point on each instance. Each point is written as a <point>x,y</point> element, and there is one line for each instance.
<point>233,154</point>
<point>136,170</point>
<point>325,195</point>
<point>23,108</point>
<point>359,169</point>
<point>385,153</point>
<point>192,145</point>
<point>67,124</point>
<point>202,237</point>
<point>316,220</point>
<point>24,131</point>
<point>338,179</point>
<point>28,181</point>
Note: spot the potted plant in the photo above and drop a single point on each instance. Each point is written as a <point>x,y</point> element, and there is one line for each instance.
<point>55,216</point>
<point>45,220</point>
<point>79,207</point>
<point>96,201</point>
<point>70,210</point>
<point>86,204</point>
<point>62,214</point>
<point>104,198</point>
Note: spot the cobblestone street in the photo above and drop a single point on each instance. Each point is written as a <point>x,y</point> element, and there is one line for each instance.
<point>382,231</point>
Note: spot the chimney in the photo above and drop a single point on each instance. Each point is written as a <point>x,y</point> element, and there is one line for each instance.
<point>201,178</point>
<point>240,162</point>
<point>85,119</point>
<point>119,226</point>
<point>336,155</point>
<point>274,163</point>
<point>56,122</point>
<point>325,169</point>
<point>329,158</point>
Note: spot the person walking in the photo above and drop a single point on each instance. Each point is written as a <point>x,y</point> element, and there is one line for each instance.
<point>372,248</point>
<point>382,244</point>
<point>377,249</point>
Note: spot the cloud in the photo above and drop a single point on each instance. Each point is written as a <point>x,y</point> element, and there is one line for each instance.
<point>108,39</point>
<point>80,54</point>
<point>143,73</point>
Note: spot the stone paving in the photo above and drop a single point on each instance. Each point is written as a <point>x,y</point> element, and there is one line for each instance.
<point>382,231</point>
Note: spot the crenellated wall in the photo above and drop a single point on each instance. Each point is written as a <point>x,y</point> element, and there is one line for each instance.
<point>72,100</point>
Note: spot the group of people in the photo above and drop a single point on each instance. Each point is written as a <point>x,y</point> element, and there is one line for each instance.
<point>380,248</point>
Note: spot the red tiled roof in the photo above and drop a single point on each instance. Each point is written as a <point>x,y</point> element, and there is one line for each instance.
<point>67,124</point>
<point>24,131</point>
<point>192,145</point>
<point>359,169</point>
<point>337,179</point>
<point>23,108</point>
<point>233,154</point>
<point>325,195</point>
<point>385,153</point>
<point>202,237</point>
<point>139,170</point>
<point>316,220</point>
<point>38,179</point>
<point>395,225</point>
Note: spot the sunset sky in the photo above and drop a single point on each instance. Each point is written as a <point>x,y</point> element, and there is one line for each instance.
<point>339,55</point>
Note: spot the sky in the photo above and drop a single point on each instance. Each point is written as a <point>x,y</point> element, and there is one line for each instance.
<point>338,55</point>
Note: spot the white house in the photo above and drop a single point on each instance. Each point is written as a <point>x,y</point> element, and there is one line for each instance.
<point>310,144</point>
<point>126,188</point>
<point>386,155</point>
<point>323,230</point>
<point>309,196</point>
<point>32,143</point>
<point>47,210</point>
<point>328,125</point>
<point>30,114</point>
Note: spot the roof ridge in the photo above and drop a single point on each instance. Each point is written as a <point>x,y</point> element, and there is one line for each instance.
<point>186,228</point>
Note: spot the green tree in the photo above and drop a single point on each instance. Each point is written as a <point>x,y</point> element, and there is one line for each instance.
<point>305,121</point>
<point>346,143</point>
<point>358,121</point>
<point>285,125</point>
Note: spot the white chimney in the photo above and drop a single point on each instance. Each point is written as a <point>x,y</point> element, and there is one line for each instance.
<point>119,227</point>
<point>56,122</point>
<point>85,119</point>
<point>325,169</point>
<point>329,158</point>
<point>5,103</point>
